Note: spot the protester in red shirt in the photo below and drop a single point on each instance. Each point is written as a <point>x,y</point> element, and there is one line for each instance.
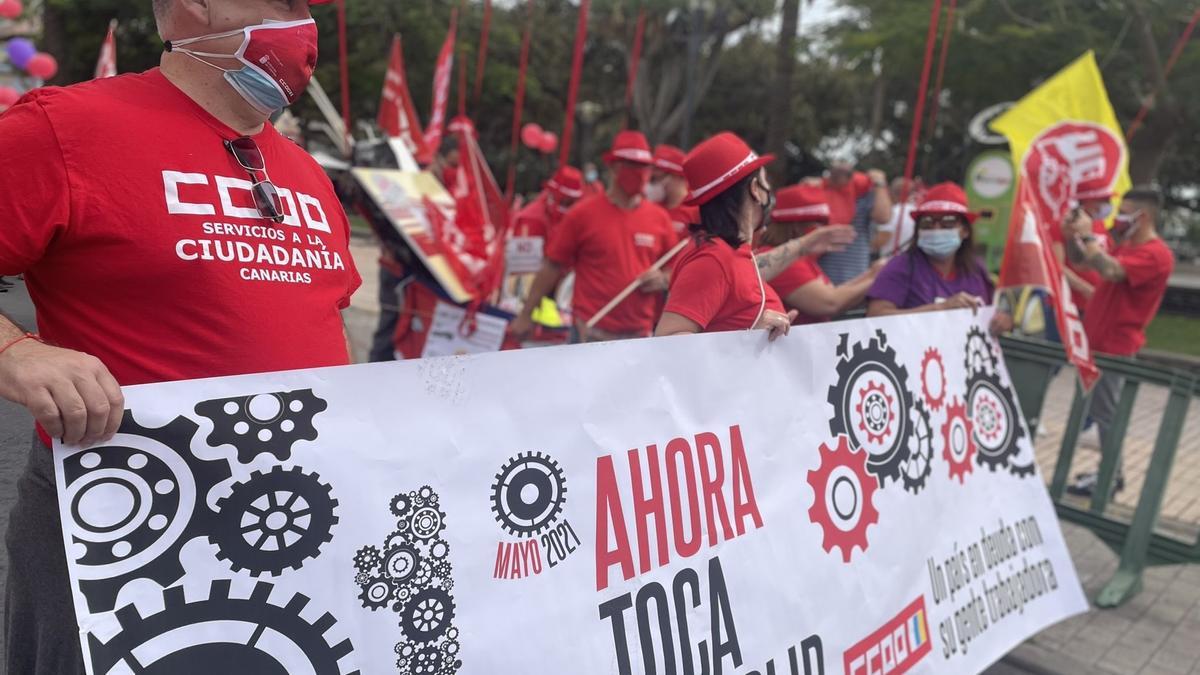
<point>544,213</point>
<point>610,240</point>
<point>668,188</point>
<point>1133,281</point>
<point>844,187</point>
<point>167,232</point>
<point>719,285</point>
<point>1095,200</point>
<point>803,286</point>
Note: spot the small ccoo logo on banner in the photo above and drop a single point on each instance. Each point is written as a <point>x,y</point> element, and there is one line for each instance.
<point>896,647</point>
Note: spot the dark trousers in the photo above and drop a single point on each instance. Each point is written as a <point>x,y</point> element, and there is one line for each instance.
<point>42,634</point>
<point>383,343</point>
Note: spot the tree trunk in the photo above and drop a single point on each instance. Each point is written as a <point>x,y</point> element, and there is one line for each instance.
<point>1154,141</point>
<point>779,124</point>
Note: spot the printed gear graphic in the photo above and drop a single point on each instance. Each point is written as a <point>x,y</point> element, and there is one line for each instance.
<point>981,356</point>
<point>427,661</point>
<point>959,441</point>
<point>367,558</point>
<point>427,615</point>
<point>377,593</point>
<point>439,549</point>
<point>450,646</point>
<point>528,470</point>
<point>235,648</point>
<point>401,505</point>
<point>876,359</point>
<point>168,486</point>
<point>263,424</point>
<point>440,569</point>
<point>361,578</point>
<point>933,357</point>
<point>1022,471</point>
<point>843,468</point>
<point>996,424</point>
<point>402,563</point>
<point>415,499</point>
<point>274,521</point>
<point>427,522</point>
<point>876,412</point>
<point>422,575</point>
<point>919,465</point>
<point>428,495</point>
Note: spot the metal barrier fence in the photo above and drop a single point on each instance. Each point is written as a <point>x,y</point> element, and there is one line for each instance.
<point>1033,364</point>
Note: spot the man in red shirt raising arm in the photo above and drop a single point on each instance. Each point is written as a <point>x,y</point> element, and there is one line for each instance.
<point>1133,280</point>
<point>166,232</point>
<point>610,240</point>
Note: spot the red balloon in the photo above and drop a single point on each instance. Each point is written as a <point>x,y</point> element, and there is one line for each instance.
<point>8,96</point>
<point>42,65</point>
<point>549,142</point>
<point>10,9</point>
<point>531,135</point>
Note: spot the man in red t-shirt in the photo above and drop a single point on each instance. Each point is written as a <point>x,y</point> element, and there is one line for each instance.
<point>166,232</point>
<point>1095,200</point>
<point>1133,280</point>
<point>610,240</point>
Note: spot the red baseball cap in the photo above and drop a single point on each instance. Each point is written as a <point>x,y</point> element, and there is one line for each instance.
<point>1094,188</point>
<point>630,146</point>
<point>717,164</point>
<point>801,204</point>
<point>944,199</point>
<point>567,183</point>
<point>669,158</point>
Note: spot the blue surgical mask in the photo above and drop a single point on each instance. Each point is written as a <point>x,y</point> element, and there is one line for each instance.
<point>940,244</point>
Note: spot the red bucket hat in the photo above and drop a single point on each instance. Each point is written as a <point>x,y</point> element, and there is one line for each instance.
<point>944,199</point>
<point>801,204</point>
<point>669,158</point>
<point>717,164</point>
<point>1094,188</point>
<point>630,146</point>
<point>567,183</point>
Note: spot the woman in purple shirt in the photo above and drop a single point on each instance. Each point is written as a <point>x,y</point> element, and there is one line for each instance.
<point>939,271</point>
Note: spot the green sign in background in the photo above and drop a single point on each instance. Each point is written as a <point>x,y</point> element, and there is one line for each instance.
<point>990,183</point>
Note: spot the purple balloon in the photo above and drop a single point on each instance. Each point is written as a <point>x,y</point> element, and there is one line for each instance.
<point>20,50</point>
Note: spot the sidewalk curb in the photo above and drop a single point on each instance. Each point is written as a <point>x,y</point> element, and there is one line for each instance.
<point>1041,661</point>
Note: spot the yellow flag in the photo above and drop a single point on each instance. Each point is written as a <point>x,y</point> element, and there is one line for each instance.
<point>1066,140</point>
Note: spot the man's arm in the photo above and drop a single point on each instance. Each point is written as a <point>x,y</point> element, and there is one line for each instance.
<point>1077,283</point>
<point>545,281</point>
<point>881,211</point>
<point>818,242</point>
<point>1086,252</point>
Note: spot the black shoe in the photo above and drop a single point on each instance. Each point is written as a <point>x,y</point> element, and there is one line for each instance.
<point>1085,484</point>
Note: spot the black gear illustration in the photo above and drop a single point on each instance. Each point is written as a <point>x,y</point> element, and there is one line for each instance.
<point>427,522</point>
<point>872,359</point>
<point>361,578</point>
<point>995,422</point>
<point>263,424</point>
<point>439,549</point>
<point>450,646</point>
<point>428,661</point>
<point>426,492</point>
<point>518,514</point>
<point>919,465</point>
<point>441,571</point>
<point>377,593</point>
<point>290,514</point>
<point>402,563</point>
<point>401,505</point>
<point>367,558</point>
<point>167,489</point>
<point>427,615</point>
<point>981,357</point>
<point>416,499</point>
<point>234,648</point>
<point>422,575</point>
<point>1022,471</point>
<point>450,666</point>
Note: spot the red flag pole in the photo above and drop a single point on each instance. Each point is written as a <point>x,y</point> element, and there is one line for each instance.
<point>918,115</point>
<point>941,69</point>
<point>564,153</point>
<point>519,103</point>
<point>635,58</point>
<point>1175,53</point>
<point>462,87</point>
<point>343,58</point>
<point>483,48</point>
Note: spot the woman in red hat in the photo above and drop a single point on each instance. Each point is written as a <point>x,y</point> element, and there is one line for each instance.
<point>719,284</point>
<point>939,270</point>
<point>803,286</point>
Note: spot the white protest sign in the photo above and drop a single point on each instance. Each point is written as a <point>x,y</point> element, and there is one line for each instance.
<point>857,497</point>
<point>452,334</point>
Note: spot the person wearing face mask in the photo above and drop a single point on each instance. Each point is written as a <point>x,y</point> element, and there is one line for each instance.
<point>131,213</point>
<point>668,188</point>
<point>1133,281</point>
<point>1095,201</point>
<point>609,240</point>
<point>541,216</point>
<point>939,270</point>
<point>803,286</point>
<point>719,285</point>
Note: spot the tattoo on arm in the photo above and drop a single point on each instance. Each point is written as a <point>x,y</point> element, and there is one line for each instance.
<point>1106,265</point>
<point>1076,252</point>
<point>772,263</point>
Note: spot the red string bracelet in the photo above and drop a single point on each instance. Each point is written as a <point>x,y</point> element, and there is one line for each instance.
<point>27,336</point>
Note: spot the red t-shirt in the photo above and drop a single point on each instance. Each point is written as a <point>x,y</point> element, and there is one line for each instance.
<point>140,243</point>
<point>608,248</point>
<point>718,288</point>
<point>1118,314</point>
<point>842,199</point>
<point>1086,273</point>
<point>799,274</point>
<point>533,220</point>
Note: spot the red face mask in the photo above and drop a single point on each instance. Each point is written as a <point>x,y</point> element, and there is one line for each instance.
<point>633,179</point>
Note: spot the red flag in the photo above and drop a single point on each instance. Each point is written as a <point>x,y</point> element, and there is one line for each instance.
<point>441,92</point>
<point>482,213</point>
<point>397,114</point>
<point>1029,261</point>
<point>106,65</point>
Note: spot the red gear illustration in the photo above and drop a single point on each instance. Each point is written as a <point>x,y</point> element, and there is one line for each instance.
<point>868,404</point>
<point>932,357</point>
<point>956,415</point>
<point>842,466</point>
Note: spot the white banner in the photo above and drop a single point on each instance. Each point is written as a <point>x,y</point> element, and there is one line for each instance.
<point>857,497</point>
